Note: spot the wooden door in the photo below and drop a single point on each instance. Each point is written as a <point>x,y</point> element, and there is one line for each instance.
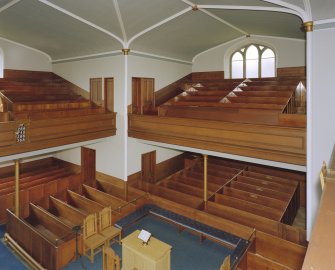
<point>148,95</point>
<point>96,91</point>
<point>109,94</point>
<point>149,167</point>
<point>143,95</point>
<point>88,167</point>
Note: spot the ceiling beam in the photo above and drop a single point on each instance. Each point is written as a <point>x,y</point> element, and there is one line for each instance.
<point>8,5</point>
<point>254,8</point>
<point>308,9</point>
<point>158,24</point>
<point>74,16</point>
<point>119,17</point>
<point>224,21</point>
<point>215,17</point>
<point>300,12</point>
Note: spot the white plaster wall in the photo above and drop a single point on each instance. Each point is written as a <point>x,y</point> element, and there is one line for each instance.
<point>110,153</point>
<point>289,52</point>
<point>21,57</point>
<point>323,111</point>
<point>164,72</point>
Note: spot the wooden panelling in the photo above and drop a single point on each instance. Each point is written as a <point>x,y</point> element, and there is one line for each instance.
<point>143,97</point>
<point>148,166</point>
<point>109,94</point>
<point>169,166</point>
<point>56,132</point>
<point>51,255</point>
<point>88,170</point>
<point>206,76</point>
<point>267,142</point>
<point>170,91</point>
<point>291,71</point>
<point>96,91</point>
<point>27,74</point>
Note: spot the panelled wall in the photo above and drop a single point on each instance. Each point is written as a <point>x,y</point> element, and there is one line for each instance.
<point>111,152</point>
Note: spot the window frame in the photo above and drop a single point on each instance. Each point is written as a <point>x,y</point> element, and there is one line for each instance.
<point>260,52</point>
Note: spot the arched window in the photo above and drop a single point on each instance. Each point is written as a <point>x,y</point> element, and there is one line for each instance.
<point>253,61</point>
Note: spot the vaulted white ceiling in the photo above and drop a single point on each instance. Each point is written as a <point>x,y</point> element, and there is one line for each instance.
<point>72,28</point>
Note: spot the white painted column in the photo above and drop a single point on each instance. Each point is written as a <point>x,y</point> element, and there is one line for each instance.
<point>309,175</point>
<point>125,112</point>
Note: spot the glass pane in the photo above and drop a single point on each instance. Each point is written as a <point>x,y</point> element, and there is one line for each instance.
<point>252,52</point>
<point>237,69</point>
<point>261,47</point>
<point>252,68</point>
<point>268,53</point>
<point>268,67</point>
<point>237,56</point>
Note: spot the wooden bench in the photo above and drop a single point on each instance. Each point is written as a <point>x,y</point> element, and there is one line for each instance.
<point>251,207</point>
<point>86,206</point>
<point>271,252</point>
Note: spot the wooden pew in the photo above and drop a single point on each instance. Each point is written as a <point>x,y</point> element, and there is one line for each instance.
<point>120,208</point>
<point>257,209</point>
<point>65,212</point>
<point>86,206</point>
<point>185,188</point>
<point>176,196</point>
<point>251,197</point>
<point>198,174</point>
<point>271,252</point>
<point>43,237</point>
<point>196,182</point>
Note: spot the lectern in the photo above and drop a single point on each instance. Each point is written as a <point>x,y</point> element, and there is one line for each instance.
<point>153,256</point>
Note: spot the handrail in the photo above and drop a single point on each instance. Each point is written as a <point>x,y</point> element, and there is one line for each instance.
<point>290,105</point>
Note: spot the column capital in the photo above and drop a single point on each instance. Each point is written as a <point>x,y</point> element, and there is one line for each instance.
<point>308,26</point>
<point>195,7</point>
<point>125,51</point>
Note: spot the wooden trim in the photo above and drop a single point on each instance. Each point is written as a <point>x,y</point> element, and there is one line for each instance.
<point>109,94</point>
<point>208,76</point>
<point>55,132</point>
<point>171,90</point>
<point>284,144</point>
<point>291,72</point>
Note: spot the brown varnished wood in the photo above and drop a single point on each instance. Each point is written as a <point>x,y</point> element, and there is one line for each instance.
<point>267,142</point>
<point>88,169</point>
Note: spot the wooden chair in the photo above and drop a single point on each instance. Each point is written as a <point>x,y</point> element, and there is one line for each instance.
<point>110,261</point>
<point>106,228</point>
<point>93,241</point>
<point>226,264</point>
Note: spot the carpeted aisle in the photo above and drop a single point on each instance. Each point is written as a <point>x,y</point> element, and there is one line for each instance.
<point>8,261</point>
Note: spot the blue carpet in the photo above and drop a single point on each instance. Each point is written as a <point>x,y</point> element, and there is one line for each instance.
<point>187,251</point>
<point>8,261</point>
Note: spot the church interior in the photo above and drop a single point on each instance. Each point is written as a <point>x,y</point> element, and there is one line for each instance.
<point>167,134</point>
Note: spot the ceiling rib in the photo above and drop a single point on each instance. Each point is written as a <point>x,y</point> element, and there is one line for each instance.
<point>215,17</point>
<point>87,56</point>
<point>157,25</point>
<point>8,5</point>
<point>255,8</point>
<point>300,12</point>
<point>308,9</point>
<point>119,17</point>
<point>224,21</point>
<point>161,57</point>
<point>82,20</point>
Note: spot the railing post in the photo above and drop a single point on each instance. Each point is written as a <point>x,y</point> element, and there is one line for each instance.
<point>17,187</point>
<point>205,179</point>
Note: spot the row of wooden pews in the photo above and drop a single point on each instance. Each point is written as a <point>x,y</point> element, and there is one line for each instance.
<point>35,184</point>
<point>257,101</point>
<point>252,196</point>
<point>51,221</point>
